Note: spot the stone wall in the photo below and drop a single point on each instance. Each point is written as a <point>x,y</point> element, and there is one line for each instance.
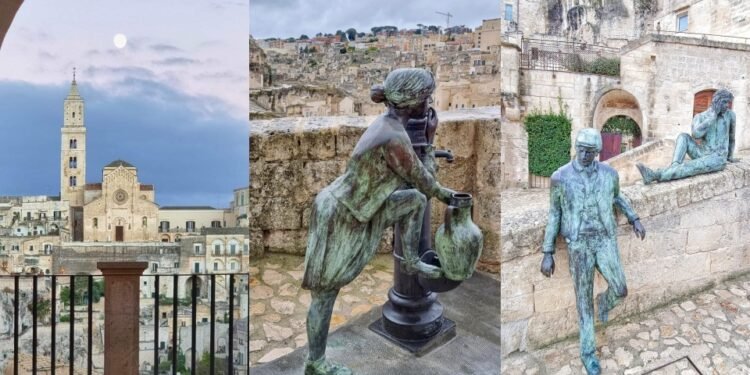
<point>698,232</point>
<point>292,159</point>
<point>611,22</point>
<point>543,90</point>
<point>654,154</point>
<point>664,73</point>
<point>706,16</point>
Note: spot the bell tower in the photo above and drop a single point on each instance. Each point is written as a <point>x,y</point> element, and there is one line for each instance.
<point>73,155</point>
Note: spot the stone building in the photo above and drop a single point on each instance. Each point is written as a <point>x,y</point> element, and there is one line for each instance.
<point>120,208</point>
<point>334,79</point>
<point>668,67</point>
<point>488,35</point>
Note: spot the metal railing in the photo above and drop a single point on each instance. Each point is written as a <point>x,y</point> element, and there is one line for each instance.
<point>555,55</point>
<point>55,295</point>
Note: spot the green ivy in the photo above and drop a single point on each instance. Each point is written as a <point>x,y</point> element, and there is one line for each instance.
<point>622,125</point>
<point>548,142</point>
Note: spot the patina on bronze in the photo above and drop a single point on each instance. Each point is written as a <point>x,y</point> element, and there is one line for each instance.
<point>412,317</point>
<point>349,216</point>
<point>583,195</point>
<point>710,147</point>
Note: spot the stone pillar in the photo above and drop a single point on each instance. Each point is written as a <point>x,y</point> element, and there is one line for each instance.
<point>121,310</point>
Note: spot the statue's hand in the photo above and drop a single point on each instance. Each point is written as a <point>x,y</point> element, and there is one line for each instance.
<point>422,268</point>
<point>639,230</point>
<point>548,265</point>
<point>445,195</point>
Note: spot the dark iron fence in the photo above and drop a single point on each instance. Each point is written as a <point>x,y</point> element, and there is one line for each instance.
<point>554,55</point>
<point>538,182</point>
<point>70,300</point>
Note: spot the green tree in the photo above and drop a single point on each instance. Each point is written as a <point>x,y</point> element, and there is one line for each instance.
<point>82,290</point>
<point>204,365</point>
<point>304,37</point>
<point>43,308</point>
<point>351,33</point>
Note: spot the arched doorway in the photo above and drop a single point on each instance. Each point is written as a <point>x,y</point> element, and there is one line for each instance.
<point>618,116</point>
<point>619,134</point>
<point>189,286</point>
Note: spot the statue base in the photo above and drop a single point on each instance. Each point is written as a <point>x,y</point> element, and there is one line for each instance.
<point>419,347</point>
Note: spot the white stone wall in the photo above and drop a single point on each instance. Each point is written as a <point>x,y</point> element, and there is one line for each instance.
<point>577,93</point>
<point>665,73</point>
<point>720,17</point>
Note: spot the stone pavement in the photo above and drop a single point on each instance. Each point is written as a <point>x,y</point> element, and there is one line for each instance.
<point>474,306</point>
<point>707,333</point>
<point>278,305</point>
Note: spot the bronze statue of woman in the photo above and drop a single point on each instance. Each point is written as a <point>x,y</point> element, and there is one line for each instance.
<point>349,216</point>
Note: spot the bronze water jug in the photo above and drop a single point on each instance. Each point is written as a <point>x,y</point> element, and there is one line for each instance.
<point>458,241</point>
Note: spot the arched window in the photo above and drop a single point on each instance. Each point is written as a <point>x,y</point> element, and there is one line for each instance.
<point>73,143</point>
<point>218,246</point>
<point>72,181</point>
<point>232,247</point>
<point>95,222</point>
<point>144,221</point>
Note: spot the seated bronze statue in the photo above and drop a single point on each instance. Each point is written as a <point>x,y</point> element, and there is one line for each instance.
<point>714,129</point>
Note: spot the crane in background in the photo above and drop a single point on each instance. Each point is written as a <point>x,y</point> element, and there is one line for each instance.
<point>447,18</point>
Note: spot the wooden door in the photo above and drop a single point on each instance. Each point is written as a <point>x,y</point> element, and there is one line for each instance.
<point>119,233</point>
<point>611,144</point>
<point>702,101</point>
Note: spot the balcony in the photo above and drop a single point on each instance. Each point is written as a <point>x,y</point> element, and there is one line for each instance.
<point>158,324</point>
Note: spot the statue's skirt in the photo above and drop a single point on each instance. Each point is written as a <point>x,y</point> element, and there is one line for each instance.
<point>338,245</point>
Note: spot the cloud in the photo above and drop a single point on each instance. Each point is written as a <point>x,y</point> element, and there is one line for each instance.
<point>46,56</point>
<point>163,47</point>
<point>291,18</point>
<point>176,148</point>
<point>176,61</point>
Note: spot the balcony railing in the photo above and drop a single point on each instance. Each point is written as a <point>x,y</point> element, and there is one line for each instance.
<point>555,55</point>
<point>64,315</point>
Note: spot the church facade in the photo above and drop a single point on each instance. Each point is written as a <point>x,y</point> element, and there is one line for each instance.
<point>120,208</point>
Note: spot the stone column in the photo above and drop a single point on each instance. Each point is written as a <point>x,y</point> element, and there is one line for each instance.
<point>121,310</point>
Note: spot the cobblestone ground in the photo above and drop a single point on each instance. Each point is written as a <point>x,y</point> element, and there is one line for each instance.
<point>710,330</point>
<point>278,306</point>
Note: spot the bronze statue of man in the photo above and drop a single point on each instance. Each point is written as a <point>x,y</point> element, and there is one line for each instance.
<point>583,195</point>
<point>715,129</point>
<point>349,216</point>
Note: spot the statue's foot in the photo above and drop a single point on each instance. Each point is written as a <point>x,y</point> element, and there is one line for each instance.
<point>648,175</point>
<point>325,367</point>
<point>603,313</point>
<point>591,363</point>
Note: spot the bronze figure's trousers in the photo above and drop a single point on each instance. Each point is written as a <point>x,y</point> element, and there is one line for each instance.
<point>586,253</point>
<point>405,207</point>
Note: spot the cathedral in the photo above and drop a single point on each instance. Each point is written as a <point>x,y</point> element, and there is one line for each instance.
<point>119,208</point>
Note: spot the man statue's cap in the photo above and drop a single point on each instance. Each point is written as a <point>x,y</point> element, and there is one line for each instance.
<point>589,137</point>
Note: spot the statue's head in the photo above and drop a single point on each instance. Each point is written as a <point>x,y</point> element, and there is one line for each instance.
<point>588,145</point>
<point>406,89</point>
<point>720,101</point>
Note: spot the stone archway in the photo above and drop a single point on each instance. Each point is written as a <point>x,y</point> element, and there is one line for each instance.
<point>620,133</point>
<point>617,103</point>
<point>189,286</point>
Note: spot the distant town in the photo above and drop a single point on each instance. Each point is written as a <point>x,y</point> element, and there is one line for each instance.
<point>330,74</point>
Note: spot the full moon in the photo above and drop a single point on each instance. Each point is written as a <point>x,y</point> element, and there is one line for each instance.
<point>120,40</point>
